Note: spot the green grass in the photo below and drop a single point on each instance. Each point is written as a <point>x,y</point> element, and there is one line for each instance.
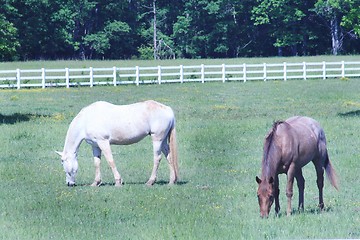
<point>142,63</point>
<point>220,127</point>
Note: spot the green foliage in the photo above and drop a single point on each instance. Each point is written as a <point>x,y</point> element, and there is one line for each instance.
<point>146,53</point>
<point>351,19</point>
<point>333,11</point>
<point>331,8</point>
<point>116,27</point>
<point>8,40</point>
<point>98,42</point>
<point>285,19</point>
<point>108,29</point>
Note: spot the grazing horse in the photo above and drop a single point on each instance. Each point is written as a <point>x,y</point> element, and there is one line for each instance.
<point>102,124</point>
<point>288,147</point>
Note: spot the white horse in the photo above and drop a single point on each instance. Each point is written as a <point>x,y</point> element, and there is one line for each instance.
<point>102,124</point>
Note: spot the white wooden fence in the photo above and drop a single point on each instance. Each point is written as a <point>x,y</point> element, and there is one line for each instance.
<point>67,77</point>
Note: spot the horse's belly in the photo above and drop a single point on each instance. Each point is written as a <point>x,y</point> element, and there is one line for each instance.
<point>117,135</point>
<point>119,140</point>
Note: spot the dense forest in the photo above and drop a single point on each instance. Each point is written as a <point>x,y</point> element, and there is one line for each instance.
<point>148,29</point>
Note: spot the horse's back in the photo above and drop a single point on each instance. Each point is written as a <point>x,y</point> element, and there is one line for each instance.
<point>158,110</point>
<point>304,121</point>
<point>309,136</point>
<point>141,111</point>
<point>124,124</point>
<point>306,126</point>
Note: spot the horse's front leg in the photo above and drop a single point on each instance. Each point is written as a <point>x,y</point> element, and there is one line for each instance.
<point>157,157</point>
<point>106,149</point>
<point>301,185</point>
<point>97,161</point>
<point>289,188</point>
<point>276,195</point>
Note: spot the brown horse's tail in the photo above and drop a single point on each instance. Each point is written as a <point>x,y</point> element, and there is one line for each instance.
<point>174,153</point>
<point>330,172</point>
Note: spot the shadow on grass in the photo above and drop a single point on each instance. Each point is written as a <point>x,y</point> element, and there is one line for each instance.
<point>313,210</point>
<point>355,113</point>
<point>18,117</point>
<point>308,211</point>
<point>160,182</point>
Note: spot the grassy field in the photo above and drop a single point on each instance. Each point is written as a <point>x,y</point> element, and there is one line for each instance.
<point>147,63</point>
<point>220,128</point>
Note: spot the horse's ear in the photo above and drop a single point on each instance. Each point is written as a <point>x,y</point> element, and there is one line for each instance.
<point>258,180</point>
<point>271,180</point>
<point>59,153</point>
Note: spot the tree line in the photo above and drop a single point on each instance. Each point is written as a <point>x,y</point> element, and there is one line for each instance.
<point>159,29</point>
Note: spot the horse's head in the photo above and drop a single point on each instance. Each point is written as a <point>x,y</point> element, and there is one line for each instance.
<point>70,164</point>
<point>265,195</point>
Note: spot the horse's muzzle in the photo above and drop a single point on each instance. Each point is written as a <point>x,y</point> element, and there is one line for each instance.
<point>264,214</point>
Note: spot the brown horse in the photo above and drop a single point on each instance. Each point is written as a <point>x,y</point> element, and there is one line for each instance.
<point>288,147</point>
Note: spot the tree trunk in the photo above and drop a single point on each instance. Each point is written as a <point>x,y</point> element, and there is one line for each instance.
<point>336,38</point>
<point>154,26</point>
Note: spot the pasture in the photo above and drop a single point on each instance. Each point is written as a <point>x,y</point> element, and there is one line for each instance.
<point>220,130</point>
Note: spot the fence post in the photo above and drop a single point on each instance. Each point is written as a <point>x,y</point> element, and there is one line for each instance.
<point>159,74</point>
<point>114,76</point>
<point>181,73</point>
<point>202,73</point>
<point>304,70</point>
<point>342,69</point>
<point>244,72</point>
<point>137,75</point>
<point>285,73</point>
<point>67,77</point>
<point>265,75</point>
<point>91,77</point>
<point>43,77</point>
<point>223,72</point>
<point>324,69</point>
<point>18,78</point>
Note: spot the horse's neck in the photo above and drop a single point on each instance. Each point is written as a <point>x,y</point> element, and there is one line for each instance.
<point>73,139</point>
<point>271,163</point>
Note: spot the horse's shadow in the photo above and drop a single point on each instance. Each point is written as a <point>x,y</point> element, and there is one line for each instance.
<point>307,211</point>
<point>160,182</point>
<point>18,117</point>
<point>355,113</point>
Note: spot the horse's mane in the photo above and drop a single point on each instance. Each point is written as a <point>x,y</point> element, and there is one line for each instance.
<point>269,139</point>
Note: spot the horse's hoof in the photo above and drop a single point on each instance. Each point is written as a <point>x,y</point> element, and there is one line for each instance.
<point>150,183</point>
<point>119,183</point>
<point>96,184</point>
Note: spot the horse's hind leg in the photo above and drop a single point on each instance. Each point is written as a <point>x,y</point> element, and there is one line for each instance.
<point>157,145</point>
<point>320,181</point>
<point>106,149</point>
<point>301,185</point>
<point>97,156</point>
<point>166,151</point>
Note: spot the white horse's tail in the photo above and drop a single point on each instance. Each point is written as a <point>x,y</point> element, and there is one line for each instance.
<point>174,153</point>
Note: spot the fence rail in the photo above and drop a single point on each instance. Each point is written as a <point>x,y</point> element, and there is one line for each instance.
<point>67,77</point>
